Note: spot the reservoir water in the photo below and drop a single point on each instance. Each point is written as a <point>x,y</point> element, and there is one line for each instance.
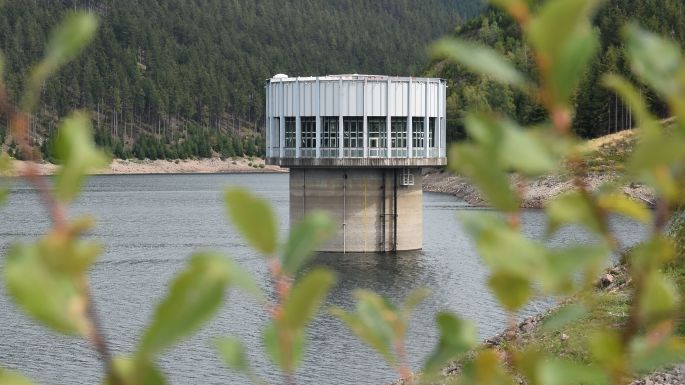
<point>151,224</point>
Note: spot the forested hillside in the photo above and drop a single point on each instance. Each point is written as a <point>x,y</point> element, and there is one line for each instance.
<point>164,69</point>
<point>599,111</point>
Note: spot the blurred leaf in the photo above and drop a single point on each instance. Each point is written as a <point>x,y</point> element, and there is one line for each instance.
<point>572,208</point>
<point>9,378</point>
<point>659,297</point>
<point>572,63</point>
<point>305,238</point>
<point>254,219</point>
<point>511,290</point>
<point>66,254</point>
<point>555,371</point>
<point>558,22</point>
<point>562,267</point>
<point>374,321</point>
<point>485,369</point>
<point>491,181</point>
<point>606,349</point>
<point>513,7</point>
<point>78,154</point>
<point>513,148</point>
<point>71,37</point>
<point>502,248</point>
<point>233,353</point>
<point>621,86</point>
<point>457,336</point>
<point>305,298</point>
<point>480,59</point>
<point>564,316</point>
<point>195,295</point>
<point>621,204</point>
<point>130,372</point>
<point>655,59</point>
<point>48,296</point>
<point>67,41</point>
<point>652,253</point>
<point>5,163</point>
<point>243,280</point>
<point>287,360</point>
<point>646,357</point>
<point>4,193</point>
<point>413,300</point>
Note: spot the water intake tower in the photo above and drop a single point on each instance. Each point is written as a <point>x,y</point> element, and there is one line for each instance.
<point>355,146</point>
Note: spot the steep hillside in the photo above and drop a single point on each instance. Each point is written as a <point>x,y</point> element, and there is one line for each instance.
<point>156,63</point>
<point>598,110</point>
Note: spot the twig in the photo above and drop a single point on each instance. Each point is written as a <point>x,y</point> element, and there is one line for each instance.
<point>58,216</point>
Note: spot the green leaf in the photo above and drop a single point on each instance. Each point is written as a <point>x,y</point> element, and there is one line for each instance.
<point>621,204</point>
<point>556,23</point>
<point>47,295</point>
<point>195,295</point>
<point>286,360</point>
<point>374,322</point>
<point>656,60</point>
<point>305,238</point>
<point>659,297</point>
<point>130,372</point>
<point>486,369</point>
<point>305,298</point>
<point>606,349</point>
<point>572,208</point>
<point>480,59</point>
<point>243,280</point>
<point>66,253</point>
<point>78,154</point>
<point>572,63</point>
<point>491,181</point>
<point>9,378</point>
<point>413,300</point>
<point>560,275</point>
<point>457,336</point>
<point>652,254</point>
<point>233,353</point>
<point>71,37</point>
<point>507,143</point>
<point>4,193</point>
<point>512,290</point>
<point>645,120</point>
<point>564,316</point>
<point>645,357</point>
<point>254,219</point>
<point>67,41</point>
<point>502,248</point>
<point>556,371</point>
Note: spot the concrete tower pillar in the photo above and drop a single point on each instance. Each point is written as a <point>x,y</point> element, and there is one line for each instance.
<point>376,201</point>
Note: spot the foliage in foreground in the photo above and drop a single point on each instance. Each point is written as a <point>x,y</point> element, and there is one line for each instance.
<point>48,278</point>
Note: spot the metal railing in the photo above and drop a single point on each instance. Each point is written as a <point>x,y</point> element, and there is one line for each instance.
<point>358,152</point>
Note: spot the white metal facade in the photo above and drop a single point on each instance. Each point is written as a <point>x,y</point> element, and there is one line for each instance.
<point>373,116</point>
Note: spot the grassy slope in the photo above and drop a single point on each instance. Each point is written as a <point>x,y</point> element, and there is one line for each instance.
<point>608,154</point>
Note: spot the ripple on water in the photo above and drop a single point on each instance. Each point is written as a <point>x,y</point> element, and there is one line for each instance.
<point>151,224</point>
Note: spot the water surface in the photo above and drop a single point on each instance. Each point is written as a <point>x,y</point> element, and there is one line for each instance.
<point>151,224</point>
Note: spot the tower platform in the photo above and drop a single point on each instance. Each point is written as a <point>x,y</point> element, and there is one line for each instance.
<point>355,146</point>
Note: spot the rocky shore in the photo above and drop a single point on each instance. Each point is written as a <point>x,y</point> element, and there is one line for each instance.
<point>535,193</point>
<point>195,166</point>
<point>615,280</point>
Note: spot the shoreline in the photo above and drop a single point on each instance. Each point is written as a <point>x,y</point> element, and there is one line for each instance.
<point>535,193</point>
<point>158,167</point>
